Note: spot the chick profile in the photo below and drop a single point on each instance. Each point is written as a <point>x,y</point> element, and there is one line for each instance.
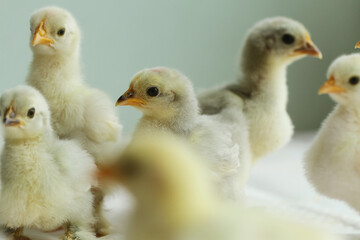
<point>176,200</point>
<point>45,181</point>
<point>78,111</point>
<point>168,103</point>
<point>332,160</point>
<point>270,46</point>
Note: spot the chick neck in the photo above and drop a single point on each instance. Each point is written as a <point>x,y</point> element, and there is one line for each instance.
<point>61,71</point>
<point>44,137</point>
<point>264,76</point>
<point>180,118</point>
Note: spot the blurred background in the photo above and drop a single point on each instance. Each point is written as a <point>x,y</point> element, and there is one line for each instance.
<point>201,38</point>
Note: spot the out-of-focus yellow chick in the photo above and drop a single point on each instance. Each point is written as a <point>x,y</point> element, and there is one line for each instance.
<point>333,160</point>
<point>78,111</point>
<point>270,46</point>
<point>168,102</point>
<point>175,200</point>
<point>45,181</point>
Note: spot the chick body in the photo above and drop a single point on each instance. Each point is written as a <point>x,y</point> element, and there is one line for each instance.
<point>78,111</point>
<point>182,203</point>
<point>45,181</point>
<point>270,46</point>
<point>332,161</point>
<point>175,110</point>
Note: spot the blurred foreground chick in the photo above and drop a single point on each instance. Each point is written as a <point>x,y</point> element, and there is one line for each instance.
<point>45,181</point>
<point>175,200</point>
<point>168,102</point>
<point>270,46</point>
<point>78,111</point>
<point>333,160</point>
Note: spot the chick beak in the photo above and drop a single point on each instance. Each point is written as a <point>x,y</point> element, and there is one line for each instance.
<point>128,98</point>
<point>330,87</point>
<point>108,173</point>
<point>357,45</point>
<point>309,48</point>
<point>40,36</point>
<point>10,120</point>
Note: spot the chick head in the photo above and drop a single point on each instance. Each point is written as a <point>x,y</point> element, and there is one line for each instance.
<point>54,31</point>
<point>343,80</point>
<point>159,92</point>
<point>24,113</point>
<point>280,40</point>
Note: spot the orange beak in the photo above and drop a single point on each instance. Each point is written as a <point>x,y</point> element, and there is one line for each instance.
<point>129,99</point>
<point>109,173</point>
<point>309,48</point>
<point>10,120</point>
<point>357,45</point>
<point>40,36</point>
<point>330,87</point>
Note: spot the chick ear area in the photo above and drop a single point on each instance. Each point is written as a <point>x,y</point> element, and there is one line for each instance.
<point>173,96</point>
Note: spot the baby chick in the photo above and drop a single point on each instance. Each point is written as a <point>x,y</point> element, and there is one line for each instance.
<point>45,181</point>
<point>78,111</point>
<point>175,200</point>
<point>270,46</point>
<point>168,102</point>
<point>332,162</point>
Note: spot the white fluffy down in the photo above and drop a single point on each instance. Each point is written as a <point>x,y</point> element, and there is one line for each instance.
<point>333,160</point>
<point>45,181</point>
<point>78,111</point>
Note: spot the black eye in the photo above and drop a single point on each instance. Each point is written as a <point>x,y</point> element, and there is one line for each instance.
<point>31,113</point>
<point>130,168</point>
<point>288,38</point>
<point>153,91</point>
<point>354,80</point>
<point>61,32</point>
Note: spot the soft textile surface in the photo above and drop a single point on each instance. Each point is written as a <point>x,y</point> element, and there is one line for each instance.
<point>276,183</point>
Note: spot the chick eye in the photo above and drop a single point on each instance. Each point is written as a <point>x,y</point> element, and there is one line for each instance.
<point>31,113</point>
<point>288,38</point>
<point>130,168</point>
<point>152,91</point>
<point>61,32</point>
<point>354,80</point>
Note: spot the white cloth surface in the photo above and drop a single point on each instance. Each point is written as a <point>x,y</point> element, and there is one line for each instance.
<point>276,183</point>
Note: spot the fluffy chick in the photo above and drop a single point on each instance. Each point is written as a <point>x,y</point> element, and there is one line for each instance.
<point>78,111</point>
<point>333,162</point>
<point>270,46</point>
<point>175,200</point>
<point>168,102</point>
<point>45,181</point>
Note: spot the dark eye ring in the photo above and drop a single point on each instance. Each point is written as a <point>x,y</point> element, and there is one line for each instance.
<point>31,113</point>
<point>288,38</point>
<point>354,80</point>
<point>61,32</point>
<point>152,91</point>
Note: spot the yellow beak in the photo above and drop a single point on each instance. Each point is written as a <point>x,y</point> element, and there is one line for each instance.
<point>40,36</point>
<point>309,48</point>
<point>128,98</point>
<point>330,87</point>
<point>10,120</point>
<point>357,45</point>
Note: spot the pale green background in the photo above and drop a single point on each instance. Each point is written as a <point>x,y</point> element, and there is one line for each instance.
<point>200,37</point>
